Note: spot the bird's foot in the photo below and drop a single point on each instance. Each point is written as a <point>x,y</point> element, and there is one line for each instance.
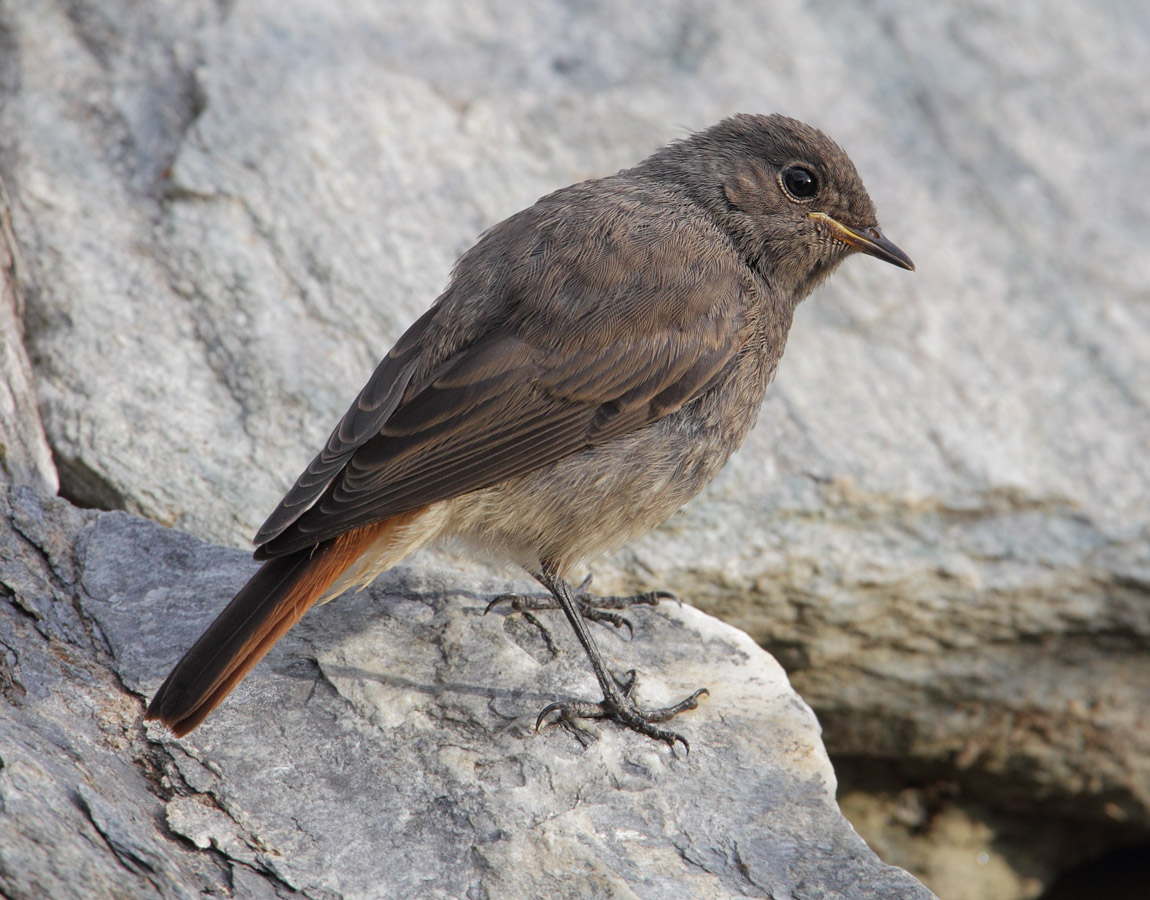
<point>590,606</point>
<point>618,706</point>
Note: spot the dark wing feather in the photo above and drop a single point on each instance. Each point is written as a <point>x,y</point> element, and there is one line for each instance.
<point>371,408</point>
<point>614,338</point>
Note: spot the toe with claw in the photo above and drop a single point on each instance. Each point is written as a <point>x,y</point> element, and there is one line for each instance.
<point>623,710</point>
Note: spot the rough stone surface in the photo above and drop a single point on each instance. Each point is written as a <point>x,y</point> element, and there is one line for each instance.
<point>386,748</point>
<point>227,211</point>
<point>24,454</point>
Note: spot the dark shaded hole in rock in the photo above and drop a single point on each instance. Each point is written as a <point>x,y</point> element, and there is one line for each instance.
<point>1122,874</point>
<point>1071,857</point>
<point>85,487</point>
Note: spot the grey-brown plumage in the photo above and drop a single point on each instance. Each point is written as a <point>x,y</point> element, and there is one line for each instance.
<point>593,363</point>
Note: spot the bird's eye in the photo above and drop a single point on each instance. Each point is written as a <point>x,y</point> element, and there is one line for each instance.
<point>800,182</point>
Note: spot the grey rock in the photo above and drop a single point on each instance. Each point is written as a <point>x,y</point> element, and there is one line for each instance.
<point>24,454</point>
<point>386,748</point>
<point>227,212</point>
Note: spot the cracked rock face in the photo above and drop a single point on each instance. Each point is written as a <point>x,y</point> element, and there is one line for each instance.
<point>219,216</point>
<point>25,457</point>
<point>386,747</point>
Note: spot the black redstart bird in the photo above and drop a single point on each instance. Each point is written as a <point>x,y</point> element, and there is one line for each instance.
<point>592,364</point>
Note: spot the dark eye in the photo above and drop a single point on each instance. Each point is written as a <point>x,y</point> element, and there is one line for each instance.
<point>800,182</point>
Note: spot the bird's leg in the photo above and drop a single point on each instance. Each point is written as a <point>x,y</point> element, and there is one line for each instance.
<point>591,607</point>
<point>616,704</point>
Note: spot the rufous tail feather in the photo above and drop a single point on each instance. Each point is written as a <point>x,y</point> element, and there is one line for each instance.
<point>275,598</point>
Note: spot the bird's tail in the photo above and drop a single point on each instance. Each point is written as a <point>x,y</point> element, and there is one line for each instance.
<point>275,598</point>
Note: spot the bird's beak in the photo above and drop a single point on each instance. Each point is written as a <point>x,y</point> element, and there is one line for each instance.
<point>870,241</point>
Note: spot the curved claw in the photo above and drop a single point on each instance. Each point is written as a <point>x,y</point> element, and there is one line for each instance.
<point>547,710</point>
<point>668,737</point>
<point>496,601</point>
<point>600,616</point>
<point>630,679</point>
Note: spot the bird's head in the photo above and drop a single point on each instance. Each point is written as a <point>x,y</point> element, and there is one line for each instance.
<point>788,196</point>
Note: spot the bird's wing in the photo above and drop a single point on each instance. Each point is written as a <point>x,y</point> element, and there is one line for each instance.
<point>370,409</point>
<point>618,339</point>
